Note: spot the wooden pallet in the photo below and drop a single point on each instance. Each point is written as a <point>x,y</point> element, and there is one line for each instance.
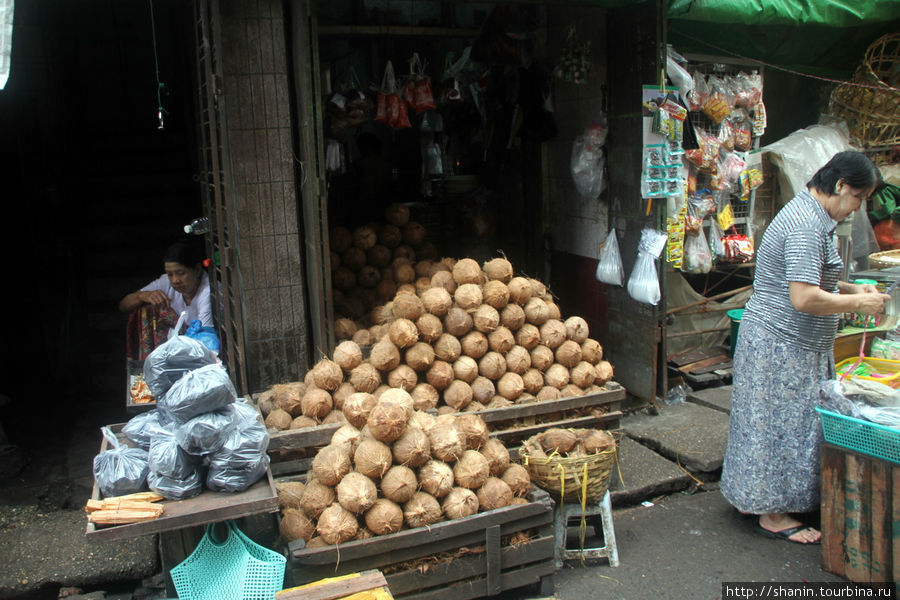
<point>452,560</point>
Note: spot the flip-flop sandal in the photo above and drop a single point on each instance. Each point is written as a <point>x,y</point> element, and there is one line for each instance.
<point>785,534</point>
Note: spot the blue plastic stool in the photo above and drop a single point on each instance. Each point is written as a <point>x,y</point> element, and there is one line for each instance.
<point>561,515</point>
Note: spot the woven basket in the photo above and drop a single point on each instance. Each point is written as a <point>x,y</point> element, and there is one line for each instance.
<point>885,259</point>
<point>574,480</point>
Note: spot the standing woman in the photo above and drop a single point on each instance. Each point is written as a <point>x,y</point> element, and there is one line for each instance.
<point>785,349</point>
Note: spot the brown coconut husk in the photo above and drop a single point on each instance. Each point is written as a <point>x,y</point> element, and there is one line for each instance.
<point>365,378</point>
<point>357,408</point>
<point>385,355</point>
<point>557,439</point>
<point>517,478</point>
<point>404,273</point>
<point>557,376</point>
<point>548,392</point>
<point>422,510</point>
<point>553,309</point>
<point>497,456</point>
<point>518,360</point>
<point>401,397</point>
<point>512,317</point>
<point>397,214</point>
<point>362,534</point>
<point>424,421</point>
<point>553,333</point>
<point>604,372</point>
<point>458,394</point>
<point>533,381</point>
<point>467,270</point>
<point>406,252</point>
<point>430,328</point>
<point>458,322</point>
<point>538,288</point>
<point>340,238</point>
<point>315,498</point>
<point>486,318</point>
<point>426,250</point>
<point>266,402</point>
<point>413,448</point>
<point>542,357</point>
<point>495,294</point>
<point>468,296</point>
<point>330,465</point>
<point>287,396</point>
<point>420,356</point>
<point>424,268</point>
<point>520,290</point>
<point>447,443</point>
<point>344,328</point>
<point>337,525</point>
<point>407,306</point>
<point>384,517</point>
<point>461,502</point>
<point>436,299</point>
<point>387,421</point>
<point>364,237</point>
<point>356,492</point>
<point>389,236</point>
<point>536,312</point>
<point>302,422</point>
<point>568,354</point>
<point>413,233</point>
<point>289,493</point>
<point>372,458</point>
<point>483,389</point>
<point>577,329</point>
<point>591,351</point>
<point>379,256</point>
<point>471,470</point>
<point>335,416</point>
<point>368,277</point>
<point>492,365</point>
<point>316,542</point>
<point>439,375</point>
<point>474,430</point>
<point>444,280</point>
<point>399,484</point>
<point>501,340</point>
<point>403,377</point>
<point>436,478</point>
<point>363,338</point>
<point>403,332</point>
<point>528,336</point>
<point>474,344</point>
<point>498,269</point>
<point>386,288</point>
<point>499,402</point>
<point>447,348</point>
<point>510,385</point>
<point>424,396</point>
<point>316,403</point>
<point>341,394</point>
<point>495,493</point>
<point>344,278</point>
<point>583,374</point>
<point>465,368</point>
<point>570,391</point>
<point>353,259</point>
<point>278,419</point>
<point>346,436</point>
<point>295,525</point>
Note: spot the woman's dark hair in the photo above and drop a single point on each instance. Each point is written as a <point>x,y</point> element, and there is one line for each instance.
<point>855,168</point>
<point>186,251</point>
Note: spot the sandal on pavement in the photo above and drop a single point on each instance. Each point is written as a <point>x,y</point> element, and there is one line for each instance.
<point>785,534</point>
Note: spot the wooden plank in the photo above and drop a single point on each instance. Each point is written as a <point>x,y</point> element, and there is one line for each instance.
<point>881,526</point>
<point>493,585</point>
<point>308,437</point>
<point>857,486</point>
<point>706,362</point>
<point>332,590</point>
<point>713,368</point>
<point>615,392</point>
<point>473,588</point>
<point>832,513</point>
<point>579,422</point>
<point>694,355</point>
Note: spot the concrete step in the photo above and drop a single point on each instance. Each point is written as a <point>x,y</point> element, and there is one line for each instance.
<point>717,398</point>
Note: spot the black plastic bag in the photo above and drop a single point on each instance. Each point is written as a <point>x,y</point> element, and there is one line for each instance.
<point>200,391</point>
<point>171,360</point>
<point>141,428</point>
<point>168,459</point>
<point>206,433</point>
<point>176,489</point>
<point>121,469</point>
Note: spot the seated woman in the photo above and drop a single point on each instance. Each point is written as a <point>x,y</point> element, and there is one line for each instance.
<point>156,307</point>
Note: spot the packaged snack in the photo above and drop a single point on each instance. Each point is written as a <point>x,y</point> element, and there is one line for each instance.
<point>725,216</point>
<point>696,98</point>
<point>749,89</point>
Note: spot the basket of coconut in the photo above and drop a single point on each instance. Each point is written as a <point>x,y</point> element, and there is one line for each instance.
<point>573,465</point>
<point>396,487</point>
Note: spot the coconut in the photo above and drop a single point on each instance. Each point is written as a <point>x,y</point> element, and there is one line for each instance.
<point>465,368</point>
<point>430,328</point>
<point>423,420</point>
<point>459,503</point>
<point>553,309</point>
<point>403,333</point>
<point>495,294</point>
<point>315,497</point>
<point>363,337</point>
<point>577,329</point>
<point>337,525</point>
<point>468,296</point>
<point>542,357</point>
<point>386,289</point>
<point>420,357</point>
<point>447,348</point>
<point>295,525</point>
<point>510,385</point>
<point>348,355</point>
<point>413,233</point>
<point>492,365</point>
<point>334,260</point>
<point>495,493</point>
<point>557,439</point>
<point>335,416</point>
<point>524,398</point>
<point>365,378</point>
<point>486,318</point>
<point>372,458</point>
<point>357,408</point>
<point>604,372</point>
<point>385,355</point>
<point>424,268</point>
<point>447,443</point>
<point>483,389</point>
<point>471,470</point>
<point>266,401</point>
<point>384,517</point>
<point>520,290</point>
<point>436,478</point>
<point>387,421</point>
<point>518,360</point>
<point>474,430</point>
<point>422,510</point>
<point>501,340</point>
<point>368,277</point>
<point>591,351</point>
<point>512,316</point>
<point>413,448</point>
<point>499,402</point>
<point>444,280</point>
<point>316,542</point>
<point>474,344</point>
<point>353,258</point>
<point>568,354</point>
<point>289,493</point>
<point>343,278</point>
<point>533,380</point>
<point>536,312</point>
<point>436,300</point>
<point>596,440</point>
<point>279,419</point>
<point>553,333</point>
<point>341,394</point>
<point>344,328</point>
<point>307,382</point>
<point>528,336</point>
<point>302,422</point>
<point>379,332</point>
<point>346,436</point>
<point>498,269</point>
<point>537,288</point>
<point>497,456</point>
<point>379,256</point>
<point>382,315</point>
<point>287,396</point>
<point>547,393</point>
<point>330,464</point>
<point>364,237</point>
<point>424,396</point>
<point>399,484</point>
<point>407,306</point>
<point>356,492</point>
<point>557,376</point>
<point>457,322</point>
<point>439,375</point>
<point>517,478</point>
<point>403,377</point>
<point>458,394</point>
<point>467,270</point>
<point>583,374</point>
<point>340,238</point>
<point>316,403</point>
<point>389,236</point>
<point>397,214</point>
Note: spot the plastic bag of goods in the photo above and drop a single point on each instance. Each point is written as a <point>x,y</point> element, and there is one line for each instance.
<point>200,391</point>
<point>242,460</point>
<point>121,469</point>
<point>177,489</point>
<point>141,428</point>
<point>171,360</point>
<point>206,433</point>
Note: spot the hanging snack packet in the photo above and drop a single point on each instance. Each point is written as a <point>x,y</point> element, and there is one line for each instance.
<point>696,98</point>
<point>725,216</point>
<point>738,247</point>
<point>717,106</point>
<point>749,90</point>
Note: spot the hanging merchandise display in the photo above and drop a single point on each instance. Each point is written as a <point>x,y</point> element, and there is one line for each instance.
<point>609,268</point>
<point>575,63</point>
<point>643,284</point>
<point>589,161</point>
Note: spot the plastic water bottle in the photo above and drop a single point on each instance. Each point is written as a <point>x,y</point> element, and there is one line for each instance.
<point>198,226</point>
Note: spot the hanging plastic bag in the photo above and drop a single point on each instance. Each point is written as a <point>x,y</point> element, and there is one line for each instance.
<point>609,268</point>
<point>697,258</point>
<point>738,247</point>
<point>678,74</point>
<point>716,248</point>
<point>589,162</point>
<point>643,284</point>
<point>121,469</point>
<point>334,157</point>
<point>387,89</point>
<point>423,97</point>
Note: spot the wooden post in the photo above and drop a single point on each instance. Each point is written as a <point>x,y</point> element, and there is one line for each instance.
<point>833,474</point>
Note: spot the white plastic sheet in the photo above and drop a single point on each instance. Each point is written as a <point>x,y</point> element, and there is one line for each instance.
<point>7,9</point>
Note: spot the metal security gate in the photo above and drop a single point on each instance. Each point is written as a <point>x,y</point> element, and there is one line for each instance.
<point>218,203</point>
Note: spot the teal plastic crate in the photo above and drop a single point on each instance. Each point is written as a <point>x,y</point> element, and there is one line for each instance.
<point>860,435</point>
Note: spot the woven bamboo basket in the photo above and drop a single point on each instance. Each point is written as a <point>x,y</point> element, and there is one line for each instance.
<point>885,259</point>
<point>870,102</point>
<point>571,479</point>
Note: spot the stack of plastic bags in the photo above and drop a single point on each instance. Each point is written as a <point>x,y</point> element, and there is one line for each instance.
<point>200,432</point>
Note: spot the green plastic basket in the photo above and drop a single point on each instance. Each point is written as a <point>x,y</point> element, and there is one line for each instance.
<point>860,435</point>
<point>236,568</point>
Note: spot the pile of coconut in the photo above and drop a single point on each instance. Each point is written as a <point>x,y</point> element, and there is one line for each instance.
<point>473,339</point>
<point>391,467</point>
<point>369,262</point>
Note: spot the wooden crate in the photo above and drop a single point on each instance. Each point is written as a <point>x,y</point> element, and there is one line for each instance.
<point>452,560</point>
<point>860,516</point>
